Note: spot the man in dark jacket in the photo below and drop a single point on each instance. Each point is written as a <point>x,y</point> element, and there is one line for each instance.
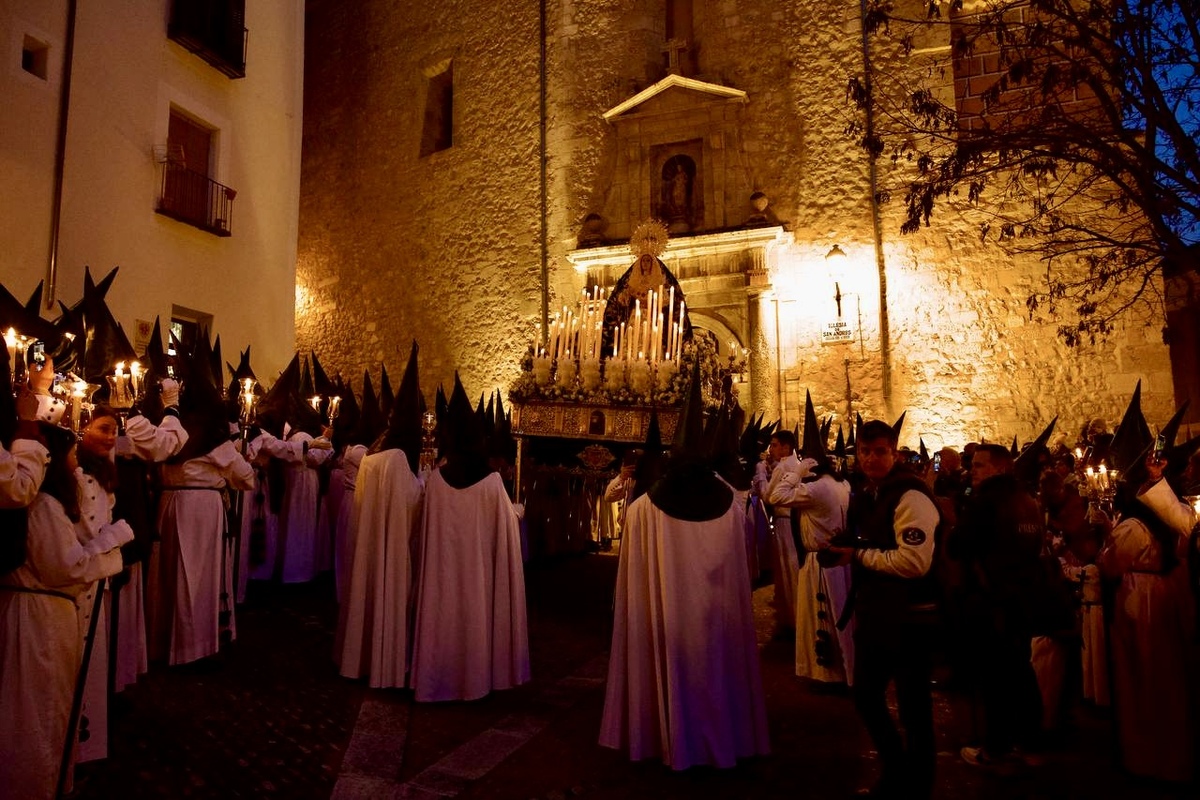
<point>893,520</point>
<point>998,543</point>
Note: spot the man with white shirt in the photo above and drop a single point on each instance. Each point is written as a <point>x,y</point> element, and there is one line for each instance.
<point>893,520</point>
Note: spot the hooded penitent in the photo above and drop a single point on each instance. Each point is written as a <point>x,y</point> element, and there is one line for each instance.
<point>370,420</point>
<point>726,458</point>
<point>275,404</point>
<point>690,490</point>
<point>1028,465</point>
<point>201,405</point>
<point>100,342</point>
<point>1131,441</point>
<point>814,439</point>
<point>28,322</point>
<point>404,424</point>
<point>465,445</point>
<point>386,396</point>
<point>650,465</point>
<point>345,426</point>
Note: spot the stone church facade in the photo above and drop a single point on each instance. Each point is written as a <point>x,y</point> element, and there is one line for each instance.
<point>469,166</point>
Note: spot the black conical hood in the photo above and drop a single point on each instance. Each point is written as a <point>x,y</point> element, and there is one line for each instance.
<point>466,450</point>
<point>814,441</point>
<point>1177,462</point>
<point>305,390</point>
<point>898,425</point>
<point>1013,449</point>
<point>839,447</point>
<point>244,369</point>
<point>1132,436</point>
<point>404,430</point>
<point>345,426</point>
<point>386,396</point>
<point>155,357</point>
<point>1170,431</point>
<point>650,465</point>
<point>218,372</point>
<point>16,316</point>
<point>748,445</point>
<point>34,304</point>
<point>370,418</point>
<point>440,404</point>
<point>689,435</point>
<point>321,383</point>
<point>276,402</point>
<point>726,459</point>
<point>1027,465</point>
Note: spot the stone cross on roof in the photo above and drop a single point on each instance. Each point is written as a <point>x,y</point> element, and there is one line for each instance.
<point>675,48</point>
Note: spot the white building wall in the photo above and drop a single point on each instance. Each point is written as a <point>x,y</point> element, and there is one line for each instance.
<point>126,75</point>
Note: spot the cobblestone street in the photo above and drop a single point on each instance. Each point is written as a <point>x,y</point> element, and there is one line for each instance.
<point>271,718</point>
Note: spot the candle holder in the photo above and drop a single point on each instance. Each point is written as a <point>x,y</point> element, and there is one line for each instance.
<point>542,366</point>
<point>79,401</point>
<point>121,393</point>
<point>1100,486</point>
<point>614,374</point>
<point>664,374</point>
<point>428,459</point>
<point>17,344</point>
<point>246,398</point>
<point>589,374</point>
<point>565,374</point>
<point>640,377</point>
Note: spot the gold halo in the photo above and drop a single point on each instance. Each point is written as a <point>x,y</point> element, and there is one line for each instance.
<point>650,237</point>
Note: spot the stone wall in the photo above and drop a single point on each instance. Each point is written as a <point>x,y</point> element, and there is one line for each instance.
<point>447,248</point>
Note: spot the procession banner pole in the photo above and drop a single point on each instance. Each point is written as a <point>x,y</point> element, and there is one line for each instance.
<point>64,769</point>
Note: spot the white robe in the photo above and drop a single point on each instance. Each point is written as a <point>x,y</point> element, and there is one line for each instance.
<point>151,443</point>
<point>1095,637</point>
<point>40,647</point>
<point>373,624</point>
<point>299,526</point>
<point>684,682</point>
<point>785,564</point>
<point>186,622</point>
<point>823,652</point>
<point>470,632</point>
<point>343,544</point>
<point>1150,636</point>
<point>21,471</point>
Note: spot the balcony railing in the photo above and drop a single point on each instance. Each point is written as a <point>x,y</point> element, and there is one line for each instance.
<point>214,30</point>
<point>196,199</point>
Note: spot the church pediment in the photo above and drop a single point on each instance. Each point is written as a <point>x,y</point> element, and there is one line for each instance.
<point>672,94</point>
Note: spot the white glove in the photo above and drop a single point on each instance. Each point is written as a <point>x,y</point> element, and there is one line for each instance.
<point>170,392</point>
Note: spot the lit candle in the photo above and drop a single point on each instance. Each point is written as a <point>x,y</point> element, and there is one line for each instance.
<point>315,402</point>
<point>1103,477</point>
<point>334,406</point>
<point>137,376</point>
<point>670,322</point>
<point>10,341</point>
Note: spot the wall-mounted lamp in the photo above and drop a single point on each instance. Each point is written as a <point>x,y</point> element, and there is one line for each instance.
<point>834,260</point>
<point>836,253</point>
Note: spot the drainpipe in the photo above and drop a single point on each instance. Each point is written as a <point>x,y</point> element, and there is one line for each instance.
<point>544,210</point>
<point>60,156</point>
<point>885,347</point>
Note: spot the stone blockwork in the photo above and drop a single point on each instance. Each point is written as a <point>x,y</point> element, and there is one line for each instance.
<point>447,248</point>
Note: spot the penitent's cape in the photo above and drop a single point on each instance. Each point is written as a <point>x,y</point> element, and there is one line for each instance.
<point>470,633</point>
<point>373,630</point>
<point>684,683</point>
